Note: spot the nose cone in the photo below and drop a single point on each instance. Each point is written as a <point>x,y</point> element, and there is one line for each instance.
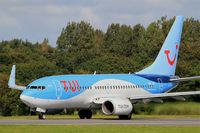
<point>27,100</point>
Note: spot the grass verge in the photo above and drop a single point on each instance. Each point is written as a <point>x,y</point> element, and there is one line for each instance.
<point>96,116</point>
<point>96,129</point>
<point>180,108</point>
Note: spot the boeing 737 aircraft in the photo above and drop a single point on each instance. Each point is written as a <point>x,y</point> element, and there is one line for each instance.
<point>113,93</point>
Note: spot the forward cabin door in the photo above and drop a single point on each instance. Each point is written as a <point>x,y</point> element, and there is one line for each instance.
<point>58,87</point>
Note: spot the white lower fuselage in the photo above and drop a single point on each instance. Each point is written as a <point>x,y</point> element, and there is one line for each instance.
<point>105,88</point>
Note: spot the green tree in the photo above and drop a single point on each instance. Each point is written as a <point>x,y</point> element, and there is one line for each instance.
<point>76,37</point>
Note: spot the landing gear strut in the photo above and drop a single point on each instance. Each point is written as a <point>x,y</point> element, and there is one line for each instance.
<point>41,116</point>
<point>85,113</point>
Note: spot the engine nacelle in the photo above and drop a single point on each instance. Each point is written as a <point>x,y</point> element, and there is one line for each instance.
<point>117,106</point>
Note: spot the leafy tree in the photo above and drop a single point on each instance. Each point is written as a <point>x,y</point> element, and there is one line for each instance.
<point>83,49</point>
<point>76,37</point>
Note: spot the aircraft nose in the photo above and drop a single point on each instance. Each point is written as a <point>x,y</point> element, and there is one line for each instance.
<point>27,100</point>
<point>23,98</point>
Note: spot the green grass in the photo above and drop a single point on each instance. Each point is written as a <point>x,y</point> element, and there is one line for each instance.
<point>53,117</point>
<point>165,110</point>
<point>98,116</point>
<point>96,129</point>
<point>179,108</point>
<point>169,108</point>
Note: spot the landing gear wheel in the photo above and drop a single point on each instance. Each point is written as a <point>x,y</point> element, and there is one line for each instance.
<point>125,117</point>
<point>85,113</point>
<point>81,114</point>
<point>88,114</point>
<point>41,116</point>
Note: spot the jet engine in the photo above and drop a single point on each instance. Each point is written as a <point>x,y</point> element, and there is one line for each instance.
<point>117,106</point>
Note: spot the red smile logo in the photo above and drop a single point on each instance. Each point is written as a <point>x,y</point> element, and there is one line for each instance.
<point>167,52</point>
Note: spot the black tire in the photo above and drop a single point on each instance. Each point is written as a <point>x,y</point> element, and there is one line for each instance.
<point>81,114</point>
<point>88,114</point>
<point>125,117</point>
<point>41,116</point>
<point>85,113</point>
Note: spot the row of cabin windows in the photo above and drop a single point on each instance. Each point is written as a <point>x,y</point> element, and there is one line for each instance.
<point>115,87</point>
<point>124,87</point>
<point>99,87</point>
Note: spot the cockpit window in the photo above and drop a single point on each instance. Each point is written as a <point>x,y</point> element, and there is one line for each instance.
<point>36,87</point>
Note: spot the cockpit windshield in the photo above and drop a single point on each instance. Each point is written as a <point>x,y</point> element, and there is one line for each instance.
<point>36,87</point>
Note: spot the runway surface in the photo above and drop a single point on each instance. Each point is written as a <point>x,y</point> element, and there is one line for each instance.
<point>145,121</point>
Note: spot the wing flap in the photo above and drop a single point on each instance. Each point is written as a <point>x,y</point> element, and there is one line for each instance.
<point>184,79</point>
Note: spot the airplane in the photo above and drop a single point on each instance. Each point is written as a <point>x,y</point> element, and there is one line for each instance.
<point>114,94</point>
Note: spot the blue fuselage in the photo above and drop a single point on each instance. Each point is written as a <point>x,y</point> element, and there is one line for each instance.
<point>64,87</point>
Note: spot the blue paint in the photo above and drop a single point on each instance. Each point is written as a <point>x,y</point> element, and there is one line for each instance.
<point>155,78</point>
<point>161,65</point>
<point>89,80</point>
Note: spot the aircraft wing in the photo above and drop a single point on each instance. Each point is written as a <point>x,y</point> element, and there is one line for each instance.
<point>164,95</point>
<point>151,97</point>
<point>11,82</point>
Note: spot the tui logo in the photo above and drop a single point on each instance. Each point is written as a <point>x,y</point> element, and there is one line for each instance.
<point>167,52</point>
<point>72,85</point>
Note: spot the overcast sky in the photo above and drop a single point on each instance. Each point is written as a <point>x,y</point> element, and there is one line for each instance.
<point>35,20</point>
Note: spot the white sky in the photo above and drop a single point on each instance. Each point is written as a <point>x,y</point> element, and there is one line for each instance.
<point>36,19</point>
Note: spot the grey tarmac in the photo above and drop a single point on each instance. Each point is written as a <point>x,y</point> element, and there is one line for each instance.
<point>144,121</point>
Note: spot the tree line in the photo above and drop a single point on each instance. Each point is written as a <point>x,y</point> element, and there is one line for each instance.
<point>82,49</point>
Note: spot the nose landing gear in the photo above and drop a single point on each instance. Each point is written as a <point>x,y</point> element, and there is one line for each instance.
<point>41,116</point>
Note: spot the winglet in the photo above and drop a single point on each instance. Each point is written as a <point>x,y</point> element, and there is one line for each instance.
<point>11,82</point>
